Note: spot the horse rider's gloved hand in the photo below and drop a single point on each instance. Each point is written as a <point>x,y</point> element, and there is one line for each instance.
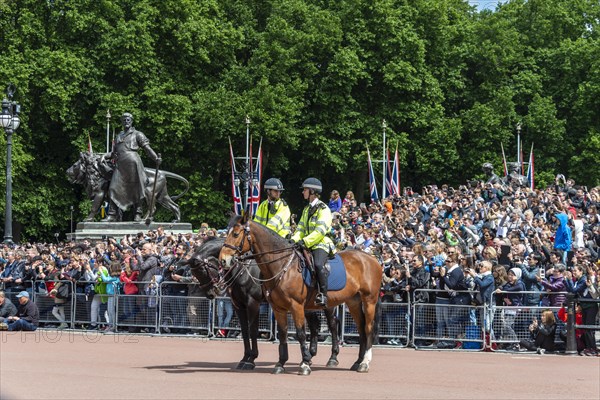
<point>299,245</point>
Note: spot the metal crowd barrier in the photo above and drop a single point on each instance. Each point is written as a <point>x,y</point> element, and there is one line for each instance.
<point>444,325</point>
<point>225,318</point>
<point>169,309</point>
<point>181,311</point>
<point>511,323</point>
<point>323,333</point>
<point>394,326</point>
<point>49,304</point>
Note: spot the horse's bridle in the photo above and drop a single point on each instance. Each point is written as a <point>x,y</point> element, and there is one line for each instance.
<point>207,266</point>
<point>246,236</point>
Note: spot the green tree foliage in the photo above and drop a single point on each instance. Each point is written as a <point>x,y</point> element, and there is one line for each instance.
<point>316,78</point>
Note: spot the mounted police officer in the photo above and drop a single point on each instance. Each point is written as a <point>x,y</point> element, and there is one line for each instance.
<point>274,212</point>
<point>311,233</point>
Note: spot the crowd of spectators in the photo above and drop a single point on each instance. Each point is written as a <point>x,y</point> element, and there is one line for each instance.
<point>494,239</point>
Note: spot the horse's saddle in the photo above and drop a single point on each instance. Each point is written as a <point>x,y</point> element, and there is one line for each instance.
<point>337,271</point>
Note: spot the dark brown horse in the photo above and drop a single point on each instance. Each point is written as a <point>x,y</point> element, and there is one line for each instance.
<point>242,281</point>
<point>286,291</point>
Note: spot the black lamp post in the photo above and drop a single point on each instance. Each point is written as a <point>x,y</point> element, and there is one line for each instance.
<point>9,119</point>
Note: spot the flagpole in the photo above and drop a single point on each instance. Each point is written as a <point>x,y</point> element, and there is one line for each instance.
<point>384,159</point>
<point>107,129</point>
<point>247,166</point>
<point>504,160</point>
<point>519,146</point>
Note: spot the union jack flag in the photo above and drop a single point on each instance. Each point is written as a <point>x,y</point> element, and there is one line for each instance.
<point>372,184</point>
<point>394,176</point>
<point>256,179</point>
<point>530,172</point>
<point>235,189</point>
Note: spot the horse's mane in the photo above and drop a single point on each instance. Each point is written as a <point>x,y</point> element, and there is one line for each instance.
<point>275,237</point>
<point>210,248</point>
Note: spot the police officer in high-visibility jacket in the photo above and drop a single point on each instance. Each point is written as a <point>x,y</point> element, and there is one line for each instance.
<point>274,212</point>
<point>311,233</point>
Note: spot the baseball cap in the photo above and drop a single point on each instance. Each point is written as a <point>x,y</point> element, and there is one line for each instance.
<point>23,294</point>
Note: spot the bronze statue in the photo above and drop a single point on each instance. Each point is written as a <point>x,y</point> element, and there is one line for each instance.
<point>94,176</point>
<point>514,178</point>
<point>120,177</point>
<point>492,178</point>
<point>127,186</point>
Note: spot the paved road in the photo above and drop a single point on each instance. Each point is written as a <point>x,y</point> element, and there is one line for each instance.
<point>51,365</point>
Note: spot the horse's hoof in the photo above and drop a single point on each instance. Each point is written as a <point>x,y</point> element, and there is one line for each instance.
<point>332,363</point>
<point>241,365</point>
<point>304,369</point>
<point>248,366</point>
<point>363,367</point>
<point>278,370</point>
<point>354,366</point>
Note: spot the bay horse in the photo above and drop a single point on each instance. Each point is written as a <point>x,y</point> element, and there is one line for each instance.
<point>286,291</point>
<point>242,281</point>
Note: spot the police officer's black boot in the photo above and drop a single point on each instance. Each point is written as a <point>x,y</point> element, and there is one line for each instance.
<point>321,298</point>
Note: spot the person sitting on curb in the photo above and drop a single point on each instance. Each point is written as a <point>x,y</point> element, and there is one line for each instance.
<point>28,315</point>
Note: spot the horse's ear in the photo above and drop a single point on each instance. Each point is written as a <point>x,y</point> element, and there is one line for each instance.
<point>245,217</point>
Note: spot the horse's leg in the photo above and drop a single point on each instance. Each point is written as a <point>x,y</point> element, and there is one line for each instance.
<point>298,316</point>
<point>355,308</point>
<point>369,306</point>
<point>253,311</point>
<point>332,323</point>
<point>281,318</point>
<point>243,318</point>
<point>313,322</point>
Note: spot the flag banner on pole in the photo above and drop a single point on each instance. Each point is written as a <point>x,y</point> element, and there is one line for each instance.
<point>90,149</point>
<point>256,180</point>
<point>235,189</point>
<point>388,180</point>
<point>395,175</point>
<point>530,170</point>
<point>504,160</point>
<point>372,184</point>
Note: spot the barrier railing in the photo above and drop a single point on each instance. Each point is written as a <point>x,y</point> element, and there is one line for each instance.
<point>225,322</point>
<point>181,313</point>
<point>54,309</point>
<point>511,323</point>
<point>169,309</point>
<point>448,322</point>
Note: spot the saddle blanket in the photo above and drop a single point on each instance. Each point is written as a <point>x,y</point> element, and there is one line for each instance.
<point>337,274</point>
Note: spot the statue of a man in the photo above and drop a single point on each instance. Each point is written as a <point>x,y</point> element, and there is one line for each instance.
<point>127,184</point>
<point>492,178</point>
<point>514,178</point>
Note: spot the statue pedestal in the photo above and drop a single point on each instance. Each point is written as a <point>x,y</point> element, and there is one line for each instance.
<point>100,230</point>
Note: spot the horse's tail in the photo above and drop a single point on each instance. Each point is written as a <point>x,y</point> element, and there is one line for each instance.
<point>176,177</point>
<point>376,321</point>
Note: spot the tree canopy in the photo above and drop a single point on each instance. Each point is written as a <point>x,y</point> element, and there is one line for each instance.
<point>316,78</point>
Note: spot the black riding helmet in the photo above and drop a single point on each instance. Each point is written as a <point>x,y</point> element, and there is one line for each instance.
<point>312,183</point>
<point>274,184</point>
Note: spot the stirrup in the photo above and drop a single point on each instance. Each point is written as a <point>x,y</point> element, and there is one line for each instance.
<point>321,300</point>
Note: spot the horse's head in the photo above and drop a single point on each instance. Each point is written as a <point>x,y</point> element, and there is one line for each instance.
<point>237,241</point>
<point>206,270</point>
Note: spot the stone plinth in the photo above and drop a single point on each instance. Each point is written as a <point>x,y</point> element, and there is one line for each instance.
<point>98,230</point>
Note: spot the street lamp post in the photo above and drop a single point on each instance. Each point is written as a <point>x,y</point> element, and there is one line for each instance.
<point>9,119</point>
